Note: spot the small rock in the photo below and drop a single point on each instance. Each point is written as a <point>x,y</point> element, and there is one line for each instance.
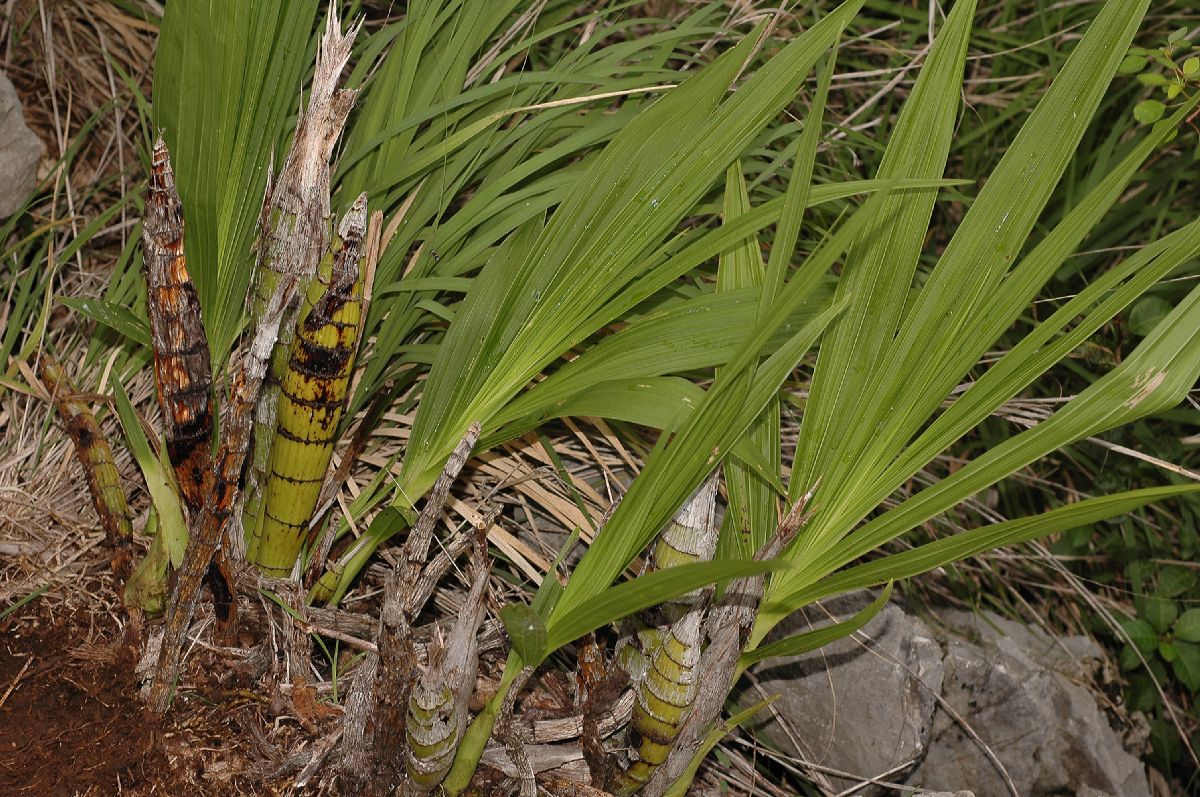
<point>20,152</point>
<point>857,708</point>
<point>1088,791</point>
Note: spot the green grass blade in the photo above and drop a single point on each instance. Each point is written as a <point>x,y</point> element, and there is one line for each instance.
<point>1156,376</point>
<point>799,189</point>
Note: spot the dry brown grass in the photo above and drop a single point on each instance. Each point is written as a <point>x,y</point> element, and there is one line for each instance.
<point>63,58</point>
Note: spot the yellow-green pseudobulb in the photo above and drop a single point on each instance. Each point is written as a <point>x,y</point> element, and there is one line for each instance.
<point>664,698</point>
<point>313,393</point>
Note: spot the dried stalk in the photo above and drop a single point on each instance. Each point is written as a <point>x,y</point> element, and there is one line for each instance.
<point>438,702</point>
<point>352,627</point>
<point>294,233</point>
<point>297,642</point>
<point>357,745</point>
<point>221,491</point>
<point>384,700</point>
<point>416,547</point>
<point>517,751</point>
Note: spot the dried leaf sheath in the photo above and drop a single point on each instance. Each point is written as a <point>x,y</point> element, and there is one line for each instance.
<point>293,236</point>
<point>99,468</point>
<point>661,650</point>
<point>313,394</point>
<point>375,754</point>
<point>437,708</point>
<point>182,372</point>
<point>726,628</point>
<point>221,491</point>
<point>690,536</point>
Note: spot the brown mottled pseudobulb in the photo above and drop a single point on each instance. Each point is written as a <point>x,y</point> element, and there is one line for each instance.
<point>182,370</point>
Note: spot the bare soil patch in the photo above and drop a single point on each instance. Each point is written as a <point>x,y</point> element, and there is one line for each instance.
<point>72,723</point>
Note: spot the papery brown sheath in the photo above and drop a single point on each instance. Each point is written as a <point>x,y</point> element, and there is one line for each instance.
<point>182,370</point>
<point>221,487</point>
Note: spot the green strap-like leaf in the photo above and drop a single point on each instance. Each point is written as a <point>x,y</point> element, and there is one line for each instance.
<point>729,407</point>
<point>641,593</point>
<point>226,78</point>
<point>798,644</point>
<point>634,193</point>
<point>1155,376</point>
<point>878,276</point>
<point>752,512</point>
<point>160,480</point>
<point>947,325</point>
<point>964,544</point>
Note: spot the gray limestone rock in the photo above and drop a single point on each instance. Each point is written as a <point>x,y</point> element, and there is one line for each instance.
<point>1024,694</point>
<point>20,152</point>
<point>894,707</point>
<point>859,707</point>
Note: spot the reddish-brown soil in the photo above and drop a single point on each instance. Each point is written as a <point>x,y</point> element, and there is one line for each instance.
<point>71,722</point>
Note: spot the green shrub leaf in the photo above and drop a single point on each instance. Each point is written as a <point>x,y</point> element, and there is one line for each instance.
<point>1187,664</point>
<point>1173,581</point>
<point>1132,64</point>
<point>1141,634</point>
<point>1149,111</point>
<point>1159,612</point>
<point>1146,313</point>
<point>1187,627</point>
